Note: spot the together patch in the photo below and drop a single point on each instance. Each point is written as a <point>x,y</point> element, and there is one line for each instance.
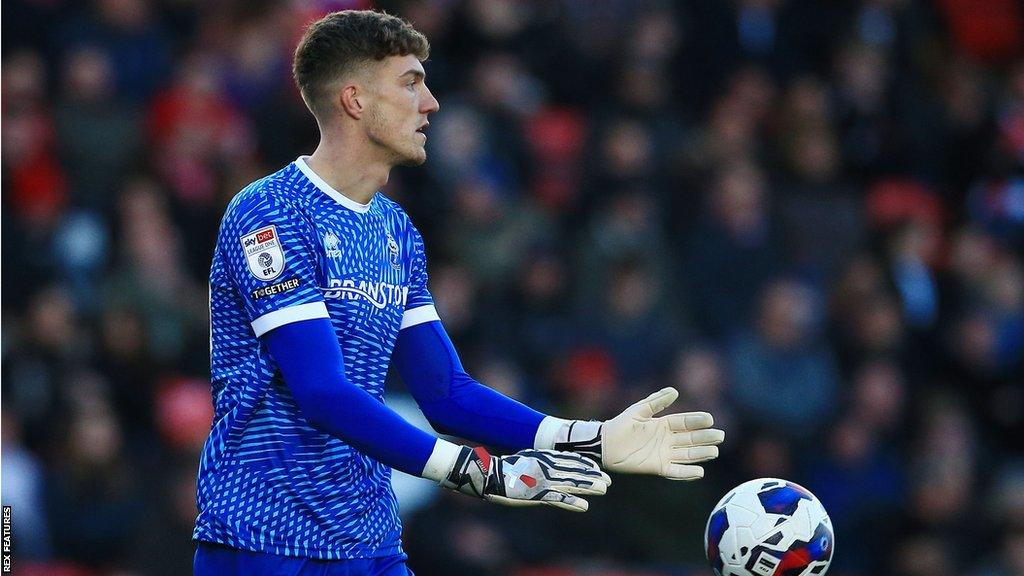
<point>275,289</point>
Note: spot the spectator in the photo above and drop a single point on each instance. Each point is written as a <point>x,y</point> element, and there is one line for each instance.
<point>779,373</point>
<point>93,501</point>
<point>635,325</point>
<point>732,253</point>
<point>130,32</point>
<point>100,137</point>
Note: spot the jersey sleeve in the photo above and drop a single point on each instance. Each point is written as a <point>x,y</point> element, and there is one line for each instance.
<point>268,250</point>
<point>419,306</point>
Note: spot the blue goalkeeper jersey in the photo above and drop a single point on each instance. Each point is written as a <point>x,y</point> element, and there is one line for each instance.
<point>291,248</point>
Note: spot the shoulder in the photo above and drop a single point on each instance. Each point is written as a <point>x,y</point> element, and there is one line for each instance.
<point>277,192</point>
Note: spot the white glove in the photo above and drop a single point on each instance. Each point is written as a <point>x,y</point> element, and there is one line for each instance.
<point>635,442</point>
<point>528,477</point>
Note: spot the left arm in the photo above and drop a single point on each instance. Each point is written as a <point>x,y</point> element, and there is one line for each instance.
<point>453,402</point>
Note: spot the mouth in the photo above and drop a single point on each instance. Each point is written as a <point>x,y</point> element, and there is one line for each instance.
<point>422,130</point>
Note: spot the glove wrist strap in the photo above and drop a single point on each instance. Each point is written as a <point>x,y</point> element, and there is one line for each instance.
<point>473,472</point>
<point>582,437</point>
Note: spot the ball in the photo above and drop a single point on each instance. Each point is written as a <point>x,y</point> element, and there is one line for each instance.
<point>769,527</point>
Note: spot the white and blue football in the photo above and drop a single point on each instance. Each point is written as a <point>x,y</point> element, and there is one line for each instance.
<point>769,527</point>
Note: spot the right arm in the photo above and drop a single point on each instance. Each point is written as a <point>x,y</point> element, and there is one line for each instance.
<point>308,355</point>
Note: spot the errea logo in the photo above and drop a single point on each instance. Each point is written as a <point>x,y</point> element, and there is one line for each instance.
<point>331,245</point>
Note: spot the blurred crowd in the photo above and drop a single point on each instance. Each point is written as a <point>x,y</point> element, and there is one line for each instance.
<point>807,216</point>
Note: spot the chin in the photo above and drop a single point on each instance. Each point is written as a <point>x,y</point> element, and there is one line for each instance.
<point>415,159</point>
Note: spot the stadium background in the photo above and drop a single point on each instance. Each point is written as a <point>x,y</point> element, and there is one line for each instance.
<point>808,216</point>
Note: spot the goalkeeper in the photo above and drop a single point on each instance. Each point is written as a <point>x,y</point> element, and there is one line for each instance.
<point>319,284</point>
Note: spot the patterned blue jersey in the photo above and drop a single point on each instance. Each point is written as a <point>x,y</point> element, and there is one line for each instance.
<point>291,248</point>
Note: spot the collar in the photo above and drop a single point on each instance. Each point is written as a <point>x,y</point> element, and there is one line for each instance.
<point>303,166</point>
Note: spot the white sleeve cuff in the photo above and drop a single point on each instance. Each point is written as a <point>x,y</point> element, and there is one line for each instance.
<point>419,315</point>
<point>296,313</point>
<point>548,431</point>
<point>441,460</point>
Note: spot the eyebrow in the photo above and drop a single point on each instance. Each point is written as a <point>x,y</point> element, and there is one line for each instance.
<point>415,73</point>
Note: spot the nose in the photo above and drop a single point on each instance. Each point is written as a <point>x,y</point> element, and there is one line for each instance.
<point>429,104</point>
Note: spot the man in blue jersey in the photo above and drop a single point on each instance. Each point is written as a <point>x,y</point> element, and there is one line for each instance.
<point>318,284</point>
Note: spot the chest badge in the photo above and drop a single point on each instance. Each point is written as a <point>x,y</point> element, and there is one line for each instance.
<point>394,254</point>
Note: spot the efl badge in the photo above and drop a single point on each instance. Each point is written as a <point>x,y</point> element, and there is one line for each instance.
<point>263,253</point>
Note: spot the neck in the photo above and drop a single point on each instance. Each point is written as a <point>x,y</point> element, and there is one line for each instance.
<point>349,167</point>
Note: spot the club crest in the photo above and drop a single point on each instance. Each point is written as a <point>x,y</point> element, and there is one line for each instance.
<point>394,254</point>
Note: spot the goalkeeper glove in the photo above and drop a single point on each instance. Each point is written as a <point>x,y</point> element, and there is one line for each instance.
<point>636,442</point>
<point>529,477</point>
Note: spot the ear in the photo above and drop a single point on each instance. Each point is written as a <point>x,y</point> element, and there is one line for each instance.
<point>351,101</point>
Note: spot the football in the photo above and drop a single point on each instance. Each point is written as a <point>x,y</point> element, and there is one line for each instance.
<point>769,527</point>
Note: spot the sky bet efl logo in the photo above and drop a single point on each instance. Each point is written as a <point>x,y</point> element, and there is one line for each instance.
<point>263,253</point>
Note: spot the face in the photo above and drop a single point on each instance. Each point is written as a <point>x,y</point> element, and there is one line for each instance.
<point>396,115</point>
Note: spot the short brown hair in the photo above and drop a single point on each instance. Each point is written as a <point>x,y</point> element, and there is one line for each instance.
<point>338,43</point>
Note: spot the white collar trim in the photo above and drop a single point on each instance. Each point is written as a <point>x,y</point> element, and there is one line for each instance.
<point>326,188</point>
